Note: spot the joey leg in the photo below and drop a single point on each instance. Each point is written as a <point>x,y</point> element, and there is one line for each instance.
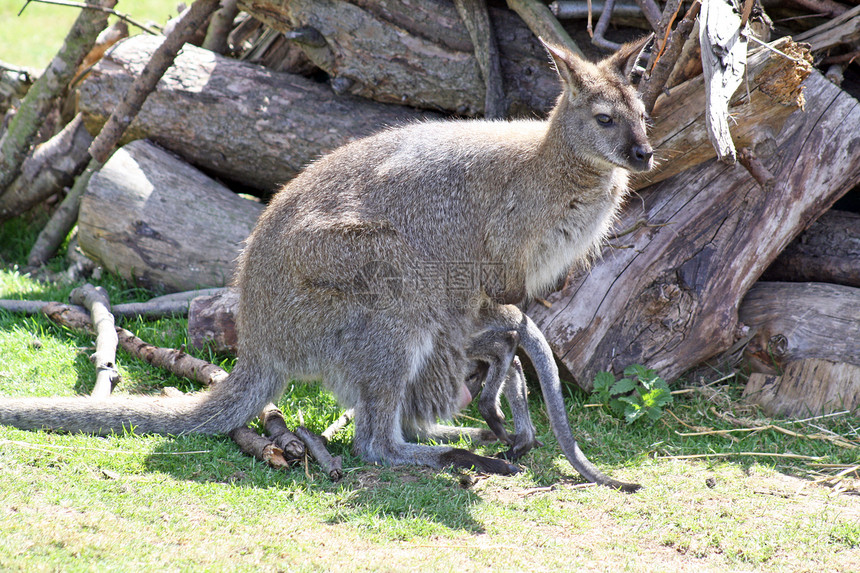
<point>516,393</point>
<point>494,350</point>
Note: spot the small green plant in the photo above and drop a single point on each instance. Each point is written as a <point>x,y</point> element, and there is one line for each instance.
<point>640,393</point>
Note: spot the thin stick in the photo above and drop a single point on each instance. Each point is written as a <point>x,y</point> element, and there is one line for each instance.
<point>150,309</point>
<point>96,300</point>
<point>170,359</point>
<point>87,6</point>
<point>332,466</point>
<point>143,85</point>
<point>338,425</point>
<point>253,444</point>
<point>276,428</point>
<point>743,454</point>
<point>16,141</point>
<point>756,168</point>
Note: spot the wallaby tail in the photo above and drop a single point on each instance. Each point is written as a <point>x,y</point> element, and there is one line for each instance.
<point>227,405</point>
<point>538,350</point>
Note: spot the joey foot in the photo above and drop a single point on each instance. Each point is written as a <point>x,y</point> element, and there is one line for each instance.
<point>520,446</point>
<point>460,458</point>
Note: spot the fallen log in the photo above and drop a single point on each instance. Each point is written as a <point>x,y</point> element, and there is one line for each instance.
<point>434,65</point>
<point>809,387</point>
<point>770,94</point>
<point>240,121</point>
<point>797,321</point>
<point>169,227</point>
<point>52,166</point>
<point>828,251</point>
<point>698,242</point>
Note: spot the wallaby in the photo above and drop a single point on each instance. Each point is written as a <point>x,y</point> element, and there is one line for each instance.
<point>376,268</point>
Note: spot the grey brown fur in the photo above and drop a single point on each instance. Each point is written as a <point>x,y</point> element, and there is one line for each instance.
<point>378,268</point>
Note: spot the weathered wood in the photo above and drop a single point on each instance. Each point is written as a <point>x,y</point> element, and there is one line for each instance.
<point>477,20</point>
<point>259,447</point>
<point>168,226</point>
<point>171,359</point>
<point>276,428</point>
<point>679,135</point>
<point>211,321</point>
<point>827,251</point>
<point>796,321</point>
<point>162,58</point>
<point>96,300</point>
<point>241,121</point>
<point>14,83</point>
<point>434,67</point>
<point>841,30</point>
<point>724,57</point>
<point>52,166</point>
<point>707,235</point>
<point>807,388</point>
<point>16,141</point>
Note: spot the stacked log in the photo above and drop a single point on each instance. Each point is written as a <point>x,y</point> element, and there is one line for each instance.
<point>671,289</point>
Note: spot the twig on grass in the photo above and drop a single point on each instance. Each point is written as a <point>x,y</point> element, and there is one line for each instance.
<point>332,466</point>
<point>263,449</point>
<point>338,425</point>
<point>276,428</point>
<point>96,300</point>
<point>742,454</point>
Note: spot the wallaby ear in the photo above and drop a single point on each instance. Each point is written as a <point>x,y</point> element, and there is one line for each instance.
<point>630,57</point>
<point>565,62</point>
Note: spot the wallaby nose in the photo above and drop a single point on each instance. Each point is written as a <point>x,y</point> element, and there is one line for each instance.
<point>640,156</point>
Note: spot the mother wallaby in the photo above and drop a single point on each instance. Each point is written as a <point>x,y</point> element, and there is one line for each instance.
<point>376,268</point>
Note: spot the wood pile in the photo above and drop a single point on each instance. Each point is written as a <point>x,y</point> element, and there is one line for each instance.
<point>755,124</point>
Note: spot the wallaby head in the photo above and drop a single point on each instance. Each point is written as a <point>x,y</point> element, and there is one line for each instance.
<point>599,115</point>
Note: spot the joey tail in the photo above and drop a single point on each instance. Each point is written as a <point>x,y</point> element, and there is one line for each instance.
<point>227,405</point>
<point>540,354</point>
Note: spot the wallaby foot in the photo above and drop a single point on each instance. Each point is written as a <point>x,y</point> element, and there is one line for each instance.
<point>460,458</point>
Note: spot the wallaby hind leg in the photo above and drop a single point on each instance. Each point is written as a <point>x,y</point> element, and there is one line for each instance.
<point>379,438</point>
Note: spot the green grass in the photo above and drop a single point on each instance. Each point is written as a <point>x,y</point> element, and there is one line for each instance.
<point>127,502</point>
<point>33,38</point>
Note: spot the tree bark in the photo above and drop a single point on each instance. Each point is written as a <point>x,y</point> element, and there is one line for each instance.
<point>435,66</point>
<point>259,447</point>
<point>809,387</point>
<point>52,166</point>
<point>796,321</point>
<point>237,120</point>
<point>828,251</point>
<point>168,226</point>
<point>707,235</point>
<point>276,428</point>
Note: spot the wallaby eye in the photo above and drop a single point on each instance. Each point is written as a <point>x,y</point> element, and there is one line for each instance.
<point>603,119</point>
